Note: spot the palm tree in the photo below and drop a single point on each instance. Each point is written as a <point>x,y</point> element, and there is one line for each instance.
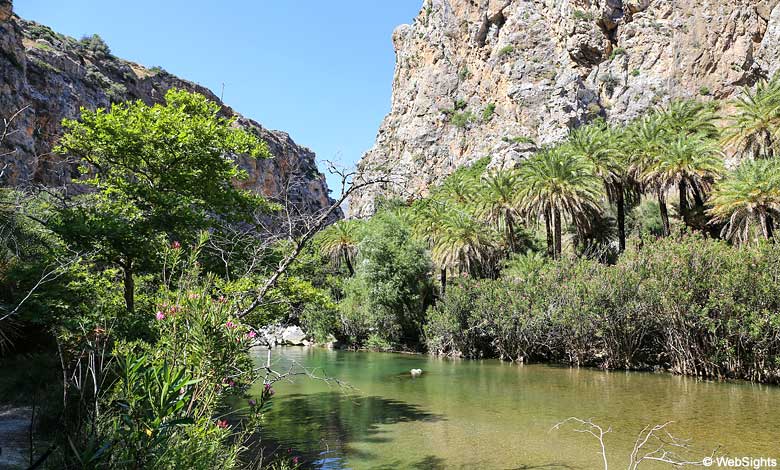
<point>458,188</point>
<point>690,163</point>
<point>427,220</point>
<point>600,145</point>
<point>753,128</point>
<point>463,244</point>
<point>689,117</point>
<point>747,197</point>
<point>644,143</point>
<point>556,185</point>
<point>497,202</point>
<point>339,242</point>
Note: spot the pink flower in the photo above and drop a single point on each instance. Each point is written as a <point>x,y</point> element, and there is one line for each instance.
<point>231,384</point>
<point>222,423</point>
<point>251,334</point>
<point>230,324</point>
<point>176,245</point>
<point>252,403</point>
<point>295,460</point>
<point>193,296</point>
<point>160,316</point>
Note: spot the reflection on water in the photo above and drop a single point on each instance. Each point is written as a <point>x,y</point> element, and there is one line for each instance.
<point>487,414</point>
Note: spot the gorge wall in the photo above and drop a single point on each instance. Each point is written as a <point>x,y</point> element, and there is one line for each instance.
<point>54,76</point>
<point>477,78</point>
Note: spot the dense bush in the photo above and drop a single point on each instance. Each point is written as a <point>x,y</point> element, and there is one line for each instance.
<point>694,306</point>
<point>388,295</point>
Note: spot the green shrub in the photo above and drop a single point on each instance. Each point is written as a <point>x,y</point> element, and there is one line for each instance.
<point>694,306</point>
<point>506,50</point>
<point>390,291</point>
<point>488,112</point>
<point>704,91</point>
<point>461,120</point>
<point>617,52</point>
<point>583,15</point>
<point>95,45</point>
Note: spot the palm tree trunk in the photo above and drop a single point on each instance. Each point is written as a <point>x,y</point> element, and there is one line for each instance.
<point>510,232</point>
<point>767,226</point>
<point>697,196</point>
<point>621,218</point>
<point>129,283</point>
<point>664,212</point>
<point>548,228</point>
<point>765,230</point>
<point>770,153</point>
<point>683,188</point>
<point>443,279</point>
<point>349,263</point>
<point>557,234</point>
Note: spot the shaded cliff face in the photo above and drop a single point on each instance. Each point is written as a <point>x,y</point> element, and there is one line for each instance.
<point>56,75</point>
<point>478,78</point>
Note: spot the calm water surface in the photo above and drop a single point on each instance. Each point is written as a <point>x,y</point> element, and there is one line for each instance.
<point>488,414</point>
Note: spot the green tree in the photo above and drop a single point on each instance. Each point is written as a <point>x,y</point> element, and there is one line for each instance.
<point>754,126</point>
<point>690,163</point>
<point>497,202</point>
<point>557,185</point>
<point>340,241</point>
<point>746,198</point>
<point>644,141</point>
<point>166,170</point>
<point>464,245</point>
<point>390,291</point>
<point>599,145</point>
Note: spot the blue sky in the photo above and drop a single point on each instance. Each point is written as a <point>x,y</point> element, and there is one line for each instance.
<point>320,70</point>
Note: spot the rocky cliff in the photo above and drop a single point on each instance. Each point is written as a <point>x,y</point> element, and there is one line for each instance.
<point>54,75</point>
<point>478,78</point>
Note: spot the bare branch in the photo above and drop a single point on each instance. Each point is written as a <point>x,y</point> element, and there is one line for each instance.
<point>300,242</point>
<point>654,437</point>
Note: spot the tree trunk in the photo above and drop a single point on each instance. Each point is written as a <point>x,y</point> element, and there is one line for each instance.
<point>764,225</point>
<point>511,232</point>
<point>548,227</point>
<point>621,218</point>
<point>557,234</point>
<point>683,189</point>
<point>664,213</point>
<point>770,228</point>
<point>770,152</point>
<point>443,279</point>
<point>349,263</point>
<point>129,282</point>
<point>697,196</point>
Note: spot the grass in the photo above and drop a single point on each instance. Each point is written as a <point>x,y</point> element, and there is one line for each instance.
<point>583,15</point>
<point>488,113</point>
<point>617,52</point>
<point>506,50</point>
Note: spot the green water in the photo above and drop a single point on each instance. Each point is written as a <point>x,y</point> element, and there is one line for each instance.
<point>488,414</point>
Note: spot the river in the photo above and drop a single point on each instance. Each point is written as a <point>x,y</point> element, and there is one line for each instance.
<point>487,414</point>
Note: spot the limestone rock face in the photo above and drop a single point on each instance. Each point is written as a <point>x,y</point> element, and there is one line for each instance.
<point>482,78</point>
<point>54,76</point>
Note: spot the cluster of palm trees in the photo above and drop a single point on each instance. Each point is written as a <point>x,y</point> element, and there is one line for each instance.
<point>473,220</point>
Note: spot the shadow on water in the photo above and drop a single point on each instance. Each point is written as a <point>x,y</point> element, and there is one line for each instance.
<point>320,427</point>
<point>429,462</point>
